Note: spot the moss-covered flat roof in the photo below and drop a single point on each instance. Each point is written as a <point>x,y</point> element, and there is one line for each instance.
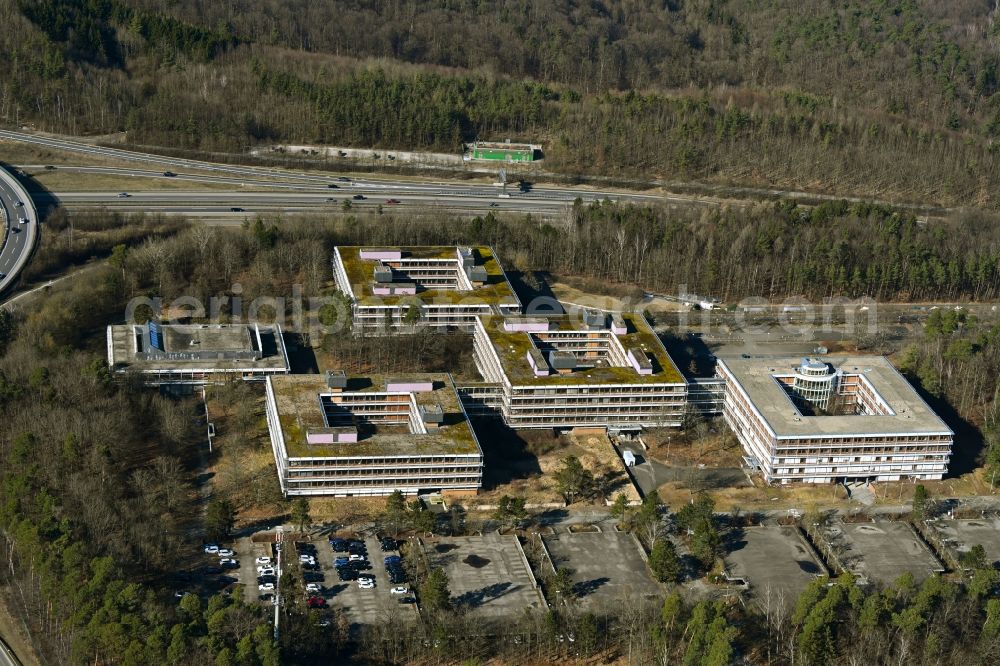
<point>361,276</point>
<point>512,348</point>
<point>297,399</point>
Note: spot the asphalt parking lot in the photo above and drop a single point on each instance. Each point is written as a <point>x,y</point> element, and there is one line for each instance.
<point>960,536</point>
<point>362,606</point>
<point>487,574</point>
<point>246,553</point>
<point>882,552</point>
<point>775,561</point>
<point>608,567</point>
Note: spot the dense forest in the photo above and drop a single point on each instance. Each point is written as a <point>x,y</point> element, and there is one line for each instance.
<point>889,99</point>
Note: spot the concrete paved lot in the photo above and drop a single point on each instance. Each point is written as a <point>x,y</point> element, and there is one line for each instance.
<point>961,535</point>
<point>775,562</point>
<point>881,552</point>
<point>487,574</point>
<point>608,567</point>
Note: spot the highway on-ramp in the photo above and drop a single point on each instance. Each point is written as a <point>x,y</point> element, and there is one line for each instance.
<point>7,656</point>
<point>19,236</point>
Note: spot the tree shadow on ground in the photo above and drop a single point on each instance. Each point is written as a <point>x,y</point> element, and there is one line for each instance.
<point>588,587</point>
<point>476,598</point>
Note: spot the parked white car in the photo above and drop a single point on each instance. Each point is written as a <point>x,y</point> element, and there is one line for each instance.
<point>400,590</point>
<point>225,552</point>
<point>366,584</point>
<point>264,561</point>
<point>313,587</point>
<point>265,571</point>
<point>211,549</point>
<point>266,587</point>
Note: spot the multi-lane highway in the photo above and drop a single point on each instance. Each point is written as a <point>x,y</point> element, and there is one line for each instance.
<point>302,190</point>
<point>202,203</point>
<point>20,228</point>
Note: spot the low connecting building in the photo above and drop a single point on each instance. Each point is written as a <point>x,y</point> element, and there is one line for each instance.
<point>196,353</point>
<point>849,419</point>
<point>407,288</point>
<point>357,436</point>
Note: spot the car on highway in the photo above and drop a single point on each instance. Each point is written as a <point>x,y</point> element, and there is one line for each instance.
<point>392,201</point>
<point>235,209</point>
<point>333,186</point>
<point>332,199</point>
<point>358,197</point>
<point>169,174</point>
<point>494,204</point>
<point>22,220</point>
<point>19,204</point>
<point>124,195</point>
<point>2,275</point>
<point>15,230</point>
<point>344,179</point>
<point>266,587</point>
<point>49,167</point>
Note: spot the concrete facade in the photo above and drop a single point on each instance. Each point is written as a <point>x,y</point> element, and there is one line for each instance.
<point>849,419</point>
